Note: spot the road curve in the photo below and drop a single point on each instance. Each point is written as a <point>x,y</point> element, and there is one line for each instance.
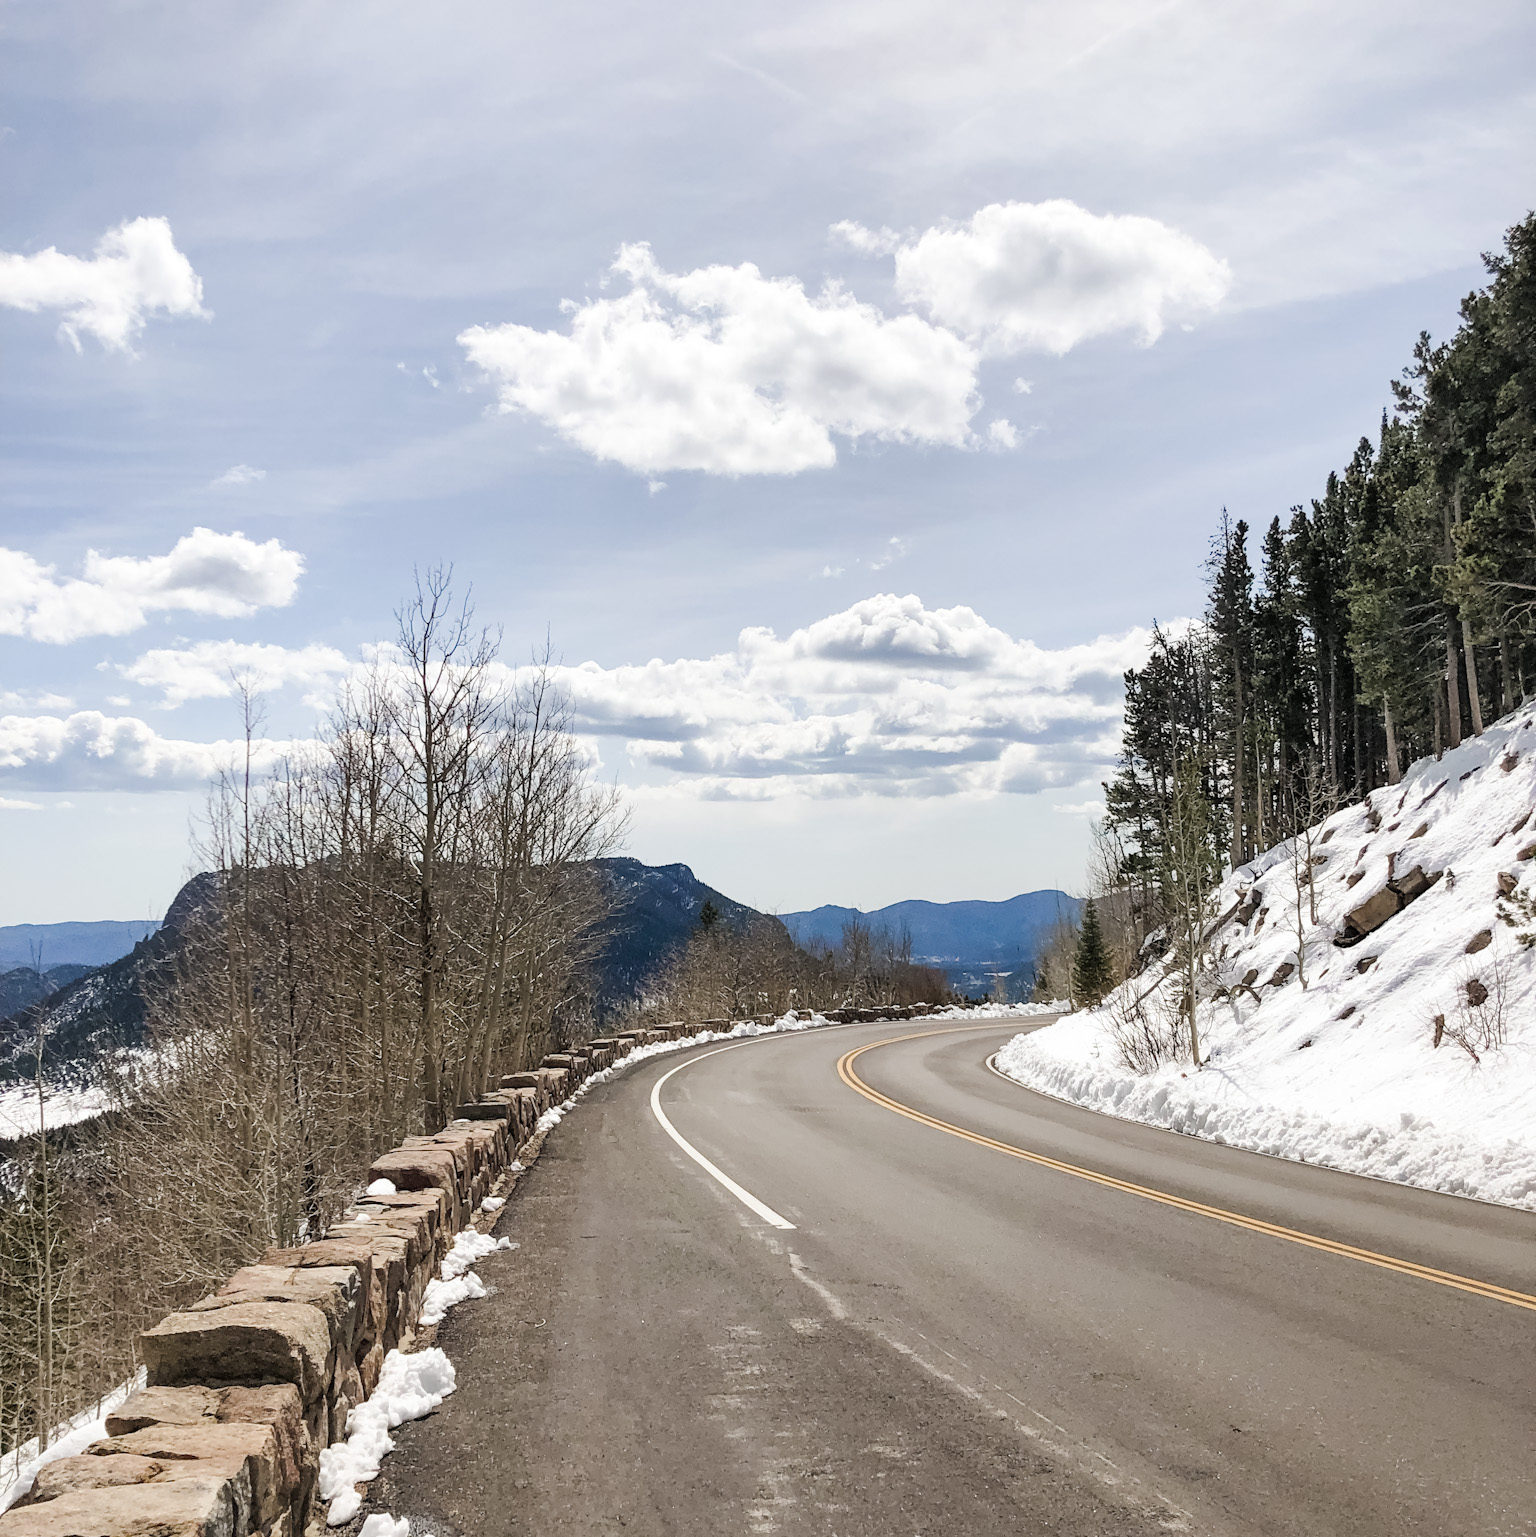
<point>942,1335</point>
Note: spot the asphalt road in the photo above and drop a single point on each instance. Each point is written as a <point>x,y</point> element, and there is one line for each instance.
<point>946,1337</point>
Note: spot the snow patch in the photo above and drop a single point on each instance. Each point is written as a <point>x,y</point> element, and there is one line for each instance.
<point>19,1467</point>
<point>410,1387</point>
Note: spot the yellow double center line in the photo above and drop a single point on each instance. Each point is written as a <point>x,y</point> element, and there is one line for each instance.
<point>845,1071</point>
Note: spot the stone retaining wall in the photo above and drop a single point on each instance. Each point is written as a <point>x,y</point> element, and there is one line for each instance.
<point>247,1386</point>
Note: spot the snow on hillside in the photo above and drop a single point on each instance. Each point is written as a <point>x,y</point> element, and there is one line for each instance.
<point>1345,1071</point>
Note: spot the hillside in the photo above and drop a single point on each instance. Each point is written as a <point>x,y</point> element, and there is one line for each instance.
<point>1398,1039</point>
<point>75,944</point>
<point>969,940</point>
<point>656,907</point>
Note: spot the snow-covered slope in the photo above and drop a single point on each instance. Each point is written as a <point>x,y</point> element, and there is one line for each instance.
<point>1345,1070</point>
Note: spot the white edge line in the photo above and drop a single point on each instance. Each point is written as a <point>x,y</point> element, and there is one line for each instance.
<point>747,1199</point>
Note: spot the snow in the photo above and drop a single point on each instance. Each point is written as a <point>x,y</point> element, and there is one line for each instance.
<point>410,1387</point>
<point>62,1107</point>
<point>379,1524</point>
<point>459,1283</point>
<point>1344,1071</point>
<point>381,1187</point>
<point>19,1467</point>
<point>493,1203</point>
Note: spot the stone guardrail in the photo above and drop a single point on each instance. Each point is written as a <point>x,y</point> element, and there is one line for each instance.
<point>246,1387</point>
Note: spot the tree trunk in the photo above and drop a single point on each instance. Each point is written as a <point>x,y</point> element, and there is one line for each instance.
<point>1474,696</point>
<point>1452,688</point>
<point>1394,772</point>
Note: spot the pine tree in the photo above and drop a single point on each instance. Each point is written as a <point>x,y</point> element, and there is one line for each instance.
<point>1092,971</point>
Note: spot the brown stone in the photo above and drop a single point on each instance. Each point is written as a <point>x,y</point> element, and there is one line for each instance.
<point>487,1109</point>
<point>164,1406</point>
<point>1419,831</point>
<point>520,1081</point>
<point>1369,916</point>
<point>248,1455</point>
<point>1365,963</point>
<point>69,1475</point>
<point>1528,852</point>
<point>421,1167</point>
<point>198,1506</point>
<point>1283,973</point>
<point>1250,976</point>
<point>1414,884</point>
<point>1508,761</point>
<point>1479,941</point>
<point>334,1289</point>
<point>1354,877</point>
<point>1507,883</point>
<point>1477,994</point>
<point>244,1342</point>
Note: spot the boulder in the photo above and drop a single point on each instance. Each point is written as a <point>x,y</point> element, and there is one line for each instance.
<point>197,1506</point>
<point>69,1475</point>
<point>244,1342</point>
<point>520,1081</point>
<point>334,1289</point>
<point>248,1455</point>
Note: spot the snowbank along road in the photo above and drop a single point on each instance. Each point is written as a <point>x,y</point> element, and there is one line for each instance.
<point>854,1282</point>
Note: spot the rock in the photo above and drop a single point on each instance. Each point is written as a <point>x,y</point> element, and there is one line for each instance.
<point>484,1110</point>
<point>1250,976</point>
<point>1365,963</point>
<point>1528,852</point>
<point>520,1081</point>
<point>420,1168</point>
<point>1414,884</point>
<point>1479,941</point>
<point>69,1475</point>
<point>1507,883</point>
<point>1439,1029</point>
<point>244,1342</point>
<point>247,1455</point>
<point>1282,974</point>
<point>1419,831</point>
<point>198,1506</point>
<point>1354,877</point>
<point>334,1289</point>
<point>1508,761</point>
<point>1477,994</point>
<point>1368,916</point>
<point>164,1406</point>
<point>1346,1011</point>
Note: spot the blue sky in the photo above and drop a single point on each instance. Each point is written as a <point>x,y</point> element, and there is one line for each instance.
<point>685,334</point>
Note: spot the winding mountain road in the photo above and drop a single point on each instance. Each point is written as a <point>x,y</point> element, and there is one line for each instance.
<point>854,1282</point>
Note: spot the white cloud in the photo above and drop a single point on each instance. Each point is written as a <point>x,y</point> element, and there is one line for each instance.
<point>724,370</point>
<point>239,475</point>
<point>895,549</point>
<point>1002,434</point>
<point>6,804</point>
<point>886,697</point>
<point>1045,276</point>
<point>867,242</point>
<point>224,575</point>
<point>1088,808</point>
<point>136,272</point>
<point>92,751</point>
<point>1022,387</point>
<point>210,669</point>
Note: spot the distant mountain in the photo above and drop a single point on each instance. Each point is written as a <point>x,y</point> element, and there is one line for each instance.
<point>104,1009</point>
<point>970,941</point>
<point>22,986</point>
<point>74,944</point>
<point>657,907</point>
